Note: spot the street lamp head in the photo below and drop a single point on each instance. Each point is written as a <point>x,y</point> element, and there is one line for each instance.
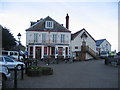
<point>19,35</point>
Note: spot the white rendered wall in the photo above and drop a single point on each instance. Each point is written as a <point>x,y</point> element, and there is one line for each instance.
<point>49,36</point>
<point>78,42</point>
<point>104,47</point>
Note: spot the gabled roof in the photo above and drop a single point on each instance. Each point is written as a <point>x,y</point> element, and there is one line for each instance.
<point>40,25</point>
<point>73,36</point>
<point>99,42</point>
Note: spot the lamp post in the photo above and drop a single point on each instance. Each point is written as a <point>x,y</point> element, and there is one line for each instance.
<point>19,36</point>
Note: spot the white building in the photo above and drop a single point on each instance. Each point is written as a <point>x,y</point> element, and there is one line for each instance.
<point>48,37</point>
<point>103,45</point>
<point>76,43</point>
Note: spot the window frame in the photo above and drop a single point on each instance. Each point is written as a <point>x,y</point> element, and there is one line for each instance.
<point>62,38</point>
<point>35,37</point>
<point>54,38</point>
<point>76,47</point>
<point>44,37</point>
<point>49,24</point>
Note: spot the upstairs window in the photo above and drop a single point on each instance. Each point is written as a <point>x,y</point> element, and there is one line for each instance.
<point>43,37</point>
<point>76,47</point>
<point>62,38</point>
<point>55,38</point>
<point>49,24</point>
<point>35,37</point>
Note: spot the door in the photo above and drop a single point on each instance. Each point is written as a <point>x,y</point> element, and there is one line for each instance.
<point>66,51</point>
<point>38,53</point>
<point>60,50</point>
<point>53,52</point>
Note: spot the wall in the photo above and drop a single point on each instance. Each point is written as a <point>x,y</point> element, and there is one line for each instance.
<point>78,42</point>
<point>49,37</point>
<point>30,37</point>
<point>104,47</point>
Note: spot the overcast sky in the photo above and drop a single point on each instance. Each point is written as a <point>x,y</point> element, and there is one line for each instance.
<point>99,18</point>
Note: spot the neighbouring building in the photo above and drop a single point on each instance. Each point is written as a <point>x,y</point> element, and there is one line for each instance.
<point>103,45</point>
<point>48,37</point>
<point>83,45</point>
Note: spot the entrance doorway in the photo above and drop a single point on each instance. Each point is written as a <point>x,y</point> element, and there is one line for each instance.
<point>53,52</point>
<point>60,50</point>
<point>38,53</point>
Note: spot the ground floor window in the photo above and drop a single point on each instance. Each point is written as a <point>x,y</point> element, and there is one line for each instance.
<point>66,50</point>
<point>45,50</point>
<point>31,50</point>
<point>52,50</point>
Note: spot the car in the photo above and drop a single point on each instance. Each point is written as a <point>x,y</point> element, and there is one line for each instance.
<point>12,57</point>
<point>14,54</point>
<point>104,55</point>
<point>4,75</point>
<point>10,63</point>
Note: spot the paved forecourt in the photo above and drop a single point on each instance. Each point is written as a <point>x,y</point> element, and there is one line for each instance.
<point>85,74</point>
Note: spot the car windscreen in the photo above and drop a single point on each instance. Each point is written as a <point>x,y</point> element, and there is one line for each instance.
<point>7,59</point>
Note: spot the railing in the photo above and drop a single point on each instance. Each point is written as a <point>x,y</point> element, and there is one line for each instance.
<point>92,52</point>
<point>50,42</point>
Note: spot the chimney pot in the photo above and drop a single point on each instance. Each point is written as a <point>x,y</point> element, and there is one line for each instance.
<point>38,20</point>
<point>67,21</point>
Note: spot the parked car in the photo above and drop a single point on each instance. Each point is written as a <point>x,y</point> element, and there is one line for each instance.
<point>14,54</point>
<point>10,63</point>
<point>104,54</point>
<point>11,57</point>
<point>117,59</point>
<point>4,75</point>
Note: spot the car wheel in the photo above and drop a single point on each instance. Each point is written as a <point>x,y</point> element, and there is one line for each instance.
<point>19,67</point>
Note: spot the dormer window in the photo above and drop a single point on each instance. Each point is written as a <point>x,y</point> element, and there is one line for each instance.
<point>49,24</point>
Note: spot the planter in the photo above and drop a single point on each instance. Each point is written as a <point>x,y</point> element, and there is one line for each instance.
<point>47,71</point>
<point>38,71</point>
<point>34,71</point>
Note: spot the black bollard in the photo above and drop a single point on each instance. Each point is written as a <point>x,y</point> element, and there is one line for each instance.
<point>26,65</point>
<point>106,60</point>
<point>48,61</point>
<point>57,60</point>
<point>22,72</point>
<point>15,78</point>
<point>36,62</point>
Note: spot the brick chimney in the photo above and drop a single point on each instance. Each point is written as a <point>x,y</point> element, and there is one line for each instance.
<point>67,21</point>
